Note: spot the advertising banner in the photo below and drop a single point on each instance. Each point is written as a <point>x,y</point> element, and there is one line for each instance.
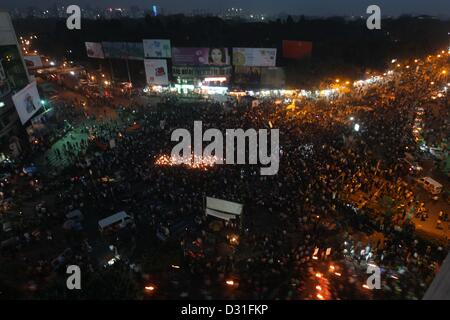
<point>247,75</point>
<point>201,56</point>
<point>156,71</point>
<point>4,85</point>
<point>255,57</point>
<point>135,51</point>
<point>94,50</point>
<point>123,50</point>
<point>273,77</point>
<point>190,56</point>
<point>33,61</point>
<point>293,49</point>
<point>27,102</point>
<point>157,48</point>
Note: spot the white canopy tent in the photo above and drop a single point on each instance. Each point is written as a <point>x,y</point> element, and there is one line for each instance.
<point>121,216</point>
<point>223,209</point>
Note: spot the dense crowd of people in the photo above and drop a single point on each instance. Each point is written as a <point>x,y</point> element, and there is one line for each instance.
<point>299,228</point>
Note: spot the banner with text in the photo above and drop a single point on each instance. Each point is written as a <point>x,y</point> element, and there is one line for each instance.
<point>123,50</point>
<point>94,50</point>
<point>33,61</point>
<point>157,48</point>
<point>255,57</point>
<point>27,102</point>
<point>156,71</point>
<point>200,56</point>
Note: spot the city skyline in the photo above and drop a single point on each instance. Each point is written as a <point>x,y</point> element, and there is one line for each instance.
<point>309,7</point>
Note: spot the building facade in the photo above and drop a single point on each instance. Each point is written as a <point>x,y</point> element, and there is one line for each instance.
<point>13,77</point>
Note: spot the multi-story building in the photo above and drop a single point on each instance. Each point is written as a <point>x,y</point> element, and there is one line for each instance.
<point>197,74</point>
<point>13,77</point>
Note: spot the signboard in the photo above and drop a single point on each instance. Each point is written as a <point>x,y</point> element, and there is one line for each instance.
<point>293,49</point>
<point>247,75</point>
<point>27,102</point>
<point>190,56</point>
<point>223,209</point>
<point>4,85</point>
<point>94,50</point>
<point>33,61</point>
<point>200,56</point>
<point>255,57</point>
<point>273,77</point>
<point>157,48</point>
<point>135,51</point>
<point>123,50</point>
<point>156,71</point>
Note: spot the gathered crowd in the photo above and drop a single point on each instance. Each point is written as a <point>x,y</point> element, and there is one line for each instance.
<point>302,228</point>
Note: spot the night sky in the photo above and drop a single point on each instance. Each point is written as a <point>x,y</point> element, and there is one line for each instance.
<point>307,7</point>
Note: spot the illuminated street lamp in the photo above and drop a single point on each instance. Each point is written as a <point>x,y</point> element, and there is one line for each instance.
<point>149,288</point>
<point>356,127</point>
<point>230,283</point>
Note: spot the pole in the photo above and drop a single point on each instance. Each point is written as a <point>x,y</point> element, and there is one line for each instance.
<point>112,71</point>
<point>128,70</point>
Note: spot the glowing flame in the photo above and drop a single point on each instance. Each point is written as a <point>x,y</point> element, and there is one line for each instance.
<point>195,162</point>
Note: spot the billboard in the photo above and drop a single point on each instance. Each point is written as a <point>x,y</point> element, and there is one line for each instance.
<point>247,75</point>
<point>27,102</point>
<point>135,51</point>
<point>4,85</point>
<point>33,61</point>
<point>7,33</point>
<point>156,71</point>
<point>255,57</point>
<point>123,50</point>
<point>273,77</point>
<point>94,50</point>
<point>293,49</point>
<point>157,48</point>
<point>200,56</point>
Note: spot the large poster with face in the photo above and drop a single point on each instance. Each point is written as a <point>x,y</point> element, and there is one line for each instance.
<point>94,50</point>
<point>156,71</point>
<point>157,48</point>
<point>255,57</point>
<point>216,56</point>
<point>27,102</point>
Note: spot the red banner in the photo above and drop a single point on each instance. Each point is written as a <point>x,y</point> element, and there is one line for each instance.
<point>293,49</point>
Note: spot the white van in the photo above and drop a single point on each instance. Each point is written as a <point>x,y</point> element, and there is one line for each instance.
<point>430,185</point>
<point>118,220</point>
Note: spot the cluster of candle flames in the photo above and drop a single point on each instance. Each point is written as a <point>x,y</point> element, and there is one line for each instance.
<point>196,162</point>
